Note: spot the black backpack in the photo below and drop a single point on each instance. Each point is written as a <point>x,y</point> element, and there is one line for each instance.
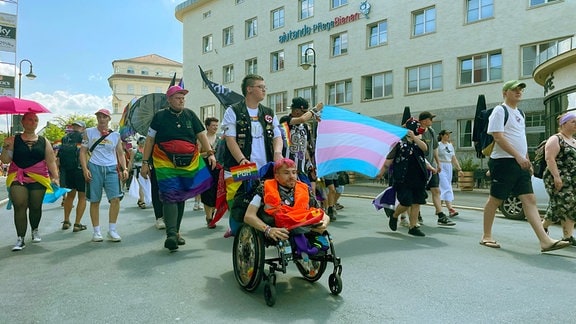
<point>539,164</point>
<point>485,142</point>
<point>69,151</point>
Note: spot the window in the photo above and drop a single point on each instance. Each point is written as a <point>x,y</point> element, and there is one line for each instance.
<point>144,72</point>
<point>252,66</point>
<point>306,9</point>
<point>479,9</point>
<point>239,1</point>
<point>207,111</point>
<point>303,49</point>
<point>207,44</point>
<point>159,90</point>
<point>424,21</point>
<point>340,44</point>
<point>278,18</point>
<point>158,73</point>
<point>338,3</point>
<point>130,89</point>
<point>228,36</point>
<point>530,54</point>
<point>481,68</point>
<point>207,14</point>
<point>209,76</point>
<point>305,93</point>
<point>377,86</point>
<point>277,61</point>
<point>143,90</point>
<point>340,92</point>
<point>278,102</point>
<point>427,77</point>
<point>228,73</point>
<point>465,133</point>
<point>539,2</point>
<point>130,70</point>
<point>378,33</point>
<point>251,28</point>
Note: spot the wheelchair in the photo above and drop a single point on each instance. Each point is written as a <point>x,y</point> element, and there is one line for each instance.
<point>249,262</point>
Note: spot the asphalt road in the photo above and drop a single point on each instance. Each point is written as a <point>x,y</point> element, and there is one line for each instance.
<point>388,277</point>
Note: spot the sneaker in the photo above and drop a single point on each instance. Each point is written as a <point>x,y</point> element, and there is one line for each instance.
<point>393,223</point>
<point>443,220</point>
<point>160,223</point>
<point>35,236</point>
<point>97,237</point>
<point>19,244</point>
<point>331,213</point>
<point>404,221</point>
<point>452,212</point>
<point>228,233</point>
<point>196,205</point>
<point>171,243</point>
<point>113,236</point>
<point>416,231</point>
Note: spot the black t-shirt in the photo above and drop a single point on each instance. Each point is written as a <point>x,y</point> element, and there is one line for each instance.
<point>171,126</point>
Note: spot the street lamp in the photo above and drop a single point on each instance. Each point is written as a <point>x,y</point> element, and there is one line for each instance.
<point>30,76</point>
<point>306,66</point>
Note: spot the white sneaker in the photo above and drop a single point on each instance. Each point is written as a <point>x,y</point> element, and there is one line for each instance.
<point>113,236</point>
<point>36,237</point>
<point>196,205</point>
<point>404,222</point>
<point>160,223</point>
<point>97,237</point>
<point>19,244</point>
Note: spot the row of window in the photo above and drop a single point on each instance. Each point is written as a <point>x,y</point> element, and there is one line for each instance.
<point>143,71</point>
<point>130,90</point>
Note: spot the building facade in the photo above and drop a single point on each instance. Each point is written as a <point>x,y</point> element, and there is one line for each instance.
<point>138,76</point>
<point>376,57</point>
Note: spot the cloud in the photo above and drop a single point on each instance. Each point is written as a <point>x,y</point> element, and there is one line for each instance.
<point>63,103</point>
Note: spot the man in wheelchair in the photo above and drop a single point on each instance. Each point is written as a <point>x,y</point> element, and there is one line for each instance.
<point>284,207</point>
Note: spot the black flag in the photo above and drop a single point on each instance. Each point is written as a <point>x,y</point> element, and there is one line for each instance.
<point>224,94</point>
<point>406,115</point>
<point>173,82</point>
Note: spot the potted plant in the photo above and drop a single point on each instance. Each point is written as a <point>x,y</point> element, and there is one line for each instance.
<point>466,179</point>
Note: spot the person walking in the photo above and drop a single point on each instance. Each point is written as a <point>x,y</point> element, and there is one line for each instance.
<point>448,160</point>
<point>32,169</point>
<point>180,171</point>
<point>73,176</point>
<point>208,197</point>
<point>510,168</point>
<point>252,135</point>
<point>559,177</point>
<point>101,154</point>
<point>425,118</point>
<point>134,167</point>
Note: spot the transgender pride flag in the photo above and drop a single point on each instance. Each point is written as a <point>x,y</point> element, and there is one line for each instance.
<point>348,141</point>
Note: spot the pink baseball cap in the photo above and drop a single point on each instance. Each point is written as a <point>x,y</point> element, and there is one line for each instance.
<point>175,89</point>
<point>103,111</point>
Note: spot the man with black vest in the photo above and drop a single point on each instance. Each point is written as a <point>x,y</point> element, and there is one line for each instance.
<point>252,135</point>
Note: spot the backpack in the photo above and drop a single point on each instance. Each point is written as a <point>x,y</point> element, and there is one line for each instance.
<point>539,164</point>
<point>69,151</point>
<point>485,143</point>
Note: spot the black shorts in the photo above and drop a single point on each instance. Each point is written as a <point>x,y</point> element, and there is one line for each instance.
<point>208,197</point>
<point>73,179</point>
<point>328,182</point>
<point>407,195</point>
<point>506,177</point>
<point>434,181</point>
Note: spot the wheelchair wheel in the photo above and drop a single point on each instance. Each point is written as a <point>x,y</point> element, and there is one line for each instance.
<point>335,283</point>
<point>248,257</point>
<point>270,291</point>
<point>314,272</point>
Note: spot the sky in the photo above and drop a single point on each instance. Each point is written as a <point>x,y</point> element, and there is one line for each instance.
<point>72,43</point>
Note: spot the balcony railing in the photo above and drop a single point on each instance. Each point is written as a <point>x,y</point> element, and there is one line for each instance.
<point>560,48</point>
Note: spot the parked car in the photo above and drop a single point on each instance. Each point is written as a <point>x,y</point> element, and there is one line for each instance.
<point>512,207</point>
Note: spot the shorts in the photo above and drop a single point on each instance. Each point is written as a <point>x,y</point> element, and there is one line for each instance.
<point>103,177</point>
<point>73,179</point>
<point>506,177</point>
<point>434,182</point>
<point>408,195</point>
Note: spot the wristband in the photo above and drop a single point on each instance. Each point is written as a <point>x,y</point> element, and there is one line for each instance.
<point>267,231</point>
<point>242,159</point>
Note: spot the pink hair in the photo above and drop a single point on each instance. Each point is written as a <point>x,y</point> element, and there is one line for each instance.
<point>283,162</point>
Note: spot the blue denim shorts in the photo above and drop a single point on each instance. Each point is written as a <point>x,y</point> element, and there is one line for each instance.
<point>103,177</point>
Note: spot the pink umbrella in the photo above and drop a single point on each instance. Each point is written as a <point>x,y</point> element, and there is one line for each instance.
<point>14,106</point>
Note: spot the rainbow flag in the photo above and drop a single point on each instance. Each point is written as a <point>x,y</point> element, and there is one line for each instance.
<point>348,141</point>
<point>285,130</point>
<point>244,172</point>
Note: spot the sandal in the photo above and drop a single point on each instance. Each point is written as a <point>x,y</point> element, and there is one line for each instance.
<point>209,220</point>
<point>141,204</point>
<point>79,227</point>
<point>66,225</point>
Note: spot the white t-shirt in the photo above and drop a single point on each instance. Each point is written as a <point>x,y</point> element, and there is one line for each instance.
<point>514,131</point>
<point>258,154</point>
<point>445,152</point>
<point>105,152</point>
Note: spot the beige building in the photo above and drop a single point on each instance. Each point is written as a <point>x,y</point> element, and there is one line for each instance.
<point>139,76</point>
<point>376,57</point>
